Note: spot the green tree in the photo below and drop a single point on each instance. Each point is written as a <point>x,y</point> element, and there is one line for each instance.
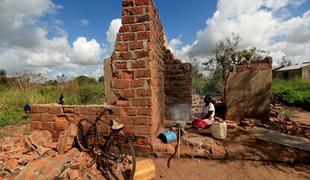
<point>227,55</point>
<point>3,78</point>
<point>285,62</point>
<point>205,86</point>
<point>62,79</point>
<point>85,80</point>
<point>101,79</point>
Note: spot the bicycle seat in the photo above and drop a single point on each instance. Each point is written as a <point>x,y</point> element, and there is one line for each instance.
<point>117,126</point>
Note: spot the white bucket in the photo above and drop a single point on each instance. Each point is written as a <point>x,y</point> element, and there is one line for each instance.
<point>219,130</point>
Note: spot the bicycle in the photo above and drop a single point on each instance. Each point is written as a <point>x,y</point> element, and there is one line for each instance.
<point>115,150</point>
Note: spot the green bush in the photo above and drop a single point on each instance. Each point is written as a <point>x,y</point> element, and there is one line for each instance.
<point>13,99</point>
<point>294,92</point>
<point>91,94</point>
<point>203,86</point>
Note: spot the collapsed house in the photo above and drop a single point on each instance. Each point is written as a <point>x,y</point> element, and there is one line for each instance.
<point>144,81</point>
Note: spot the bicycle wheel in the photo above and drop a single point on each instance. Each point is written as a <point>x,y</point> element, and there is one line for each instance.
<point>87,134</point>
<point>122,160</point>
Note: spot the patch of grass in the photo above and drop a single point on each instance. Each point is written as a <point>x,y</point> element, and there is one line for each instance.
<point>294,92</point>
<point>12,99</point>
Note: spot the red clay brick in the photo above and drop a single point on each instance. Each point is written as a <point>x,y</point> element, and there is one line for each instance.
<point>127,93</point>
<point>124,28</point>
<point>144,18</point>
<point>55,109</point>
<point>34,109</point>
<point>122,103</point>
<point>121,84</point>
<point>128,20</point>
<point>143,92</point>
<point>142,73</point>
<point>129,37</point>
<point>137,83</point>
<point>140,120</point>
<point>143,35</point>
<point>73,173</point>
<point>88,110</point>
<point>119,37</point>
<point>126,112</point>
<point>128,3</point>
<point>36,117</point>
<point>136,45</point>
<point>43,109</point>
<point>47,126</point>
<point>143,130</point>
<point>141,54</point>
<point>68,109</point>
<point>147,27</point>
<point>142,140</point>
<point>125,55</point>
<point>127,75</point>
<point>140,102</point>
<point>142,2</point>
<point>35,125</point>
<point>133,11</point>
<point>121,47</point>
<point>77,110</point>
<point>121,65</point>
<point>137,27</point>
<point>61,124</point>
<point>144,111</point>
<point>73,118</point>
<point>129,130</point>
<point>138,64</point>
<point>11,164</point>
<point>47,117</point>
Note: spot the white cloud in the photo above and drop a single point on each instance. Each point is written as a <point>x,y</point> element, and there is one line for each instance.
<point>25,46</point>
<point>174,44</point>
<point>84,22</point>
<point>258,24</point>
<point>86,52</point>
<point>113,30</point>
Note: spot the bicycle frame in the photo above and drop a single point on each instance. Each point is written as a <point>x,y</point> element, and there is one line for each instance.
<point>114,135</point>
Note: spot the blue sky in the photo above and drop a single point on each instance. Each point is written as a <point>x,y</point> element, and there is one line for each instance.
<point>179,17</point>
<point>72,37</point>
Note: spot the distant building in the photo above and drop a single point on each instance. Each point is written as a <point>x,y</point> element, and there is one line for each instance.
<point>301,70</point>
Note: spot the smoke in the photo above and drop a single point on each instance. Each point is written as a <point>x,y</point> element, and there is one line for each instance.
<point>181,112</point>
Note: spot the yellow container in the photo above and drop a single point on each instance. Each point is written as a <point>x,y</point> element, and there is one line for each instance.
<point>145,170</point>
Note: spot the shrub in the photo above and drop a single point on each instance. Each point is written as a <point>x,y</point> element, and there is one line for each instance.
<point>294,92</point>
<point>91,94</point>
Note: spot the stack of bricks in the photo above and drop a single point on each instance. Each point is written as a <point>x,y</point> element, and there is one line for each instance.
<point>137,69</point>
<point>178,85</point>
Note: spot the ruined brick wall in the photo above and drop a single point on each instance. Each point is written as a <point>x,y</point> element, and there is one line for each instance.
<point>135,83</point>
<point>178,85</point>
<point>56,118</point>
<point>134,80</point>
<point>248,91</point>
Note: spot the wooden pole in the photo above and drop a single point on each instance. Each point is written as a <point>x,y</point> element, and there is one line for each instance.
<point>179,142</point>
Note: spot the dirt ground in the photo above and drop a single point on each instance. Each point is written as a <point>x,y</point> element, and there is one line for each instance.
<point>301,116</point>
<point>192,169</point>
<point>10,131</point>
<point>196,169</point>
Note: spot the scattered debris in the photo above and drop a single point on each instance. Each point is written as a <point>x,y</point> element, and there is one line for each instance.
<point>36,156</point>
